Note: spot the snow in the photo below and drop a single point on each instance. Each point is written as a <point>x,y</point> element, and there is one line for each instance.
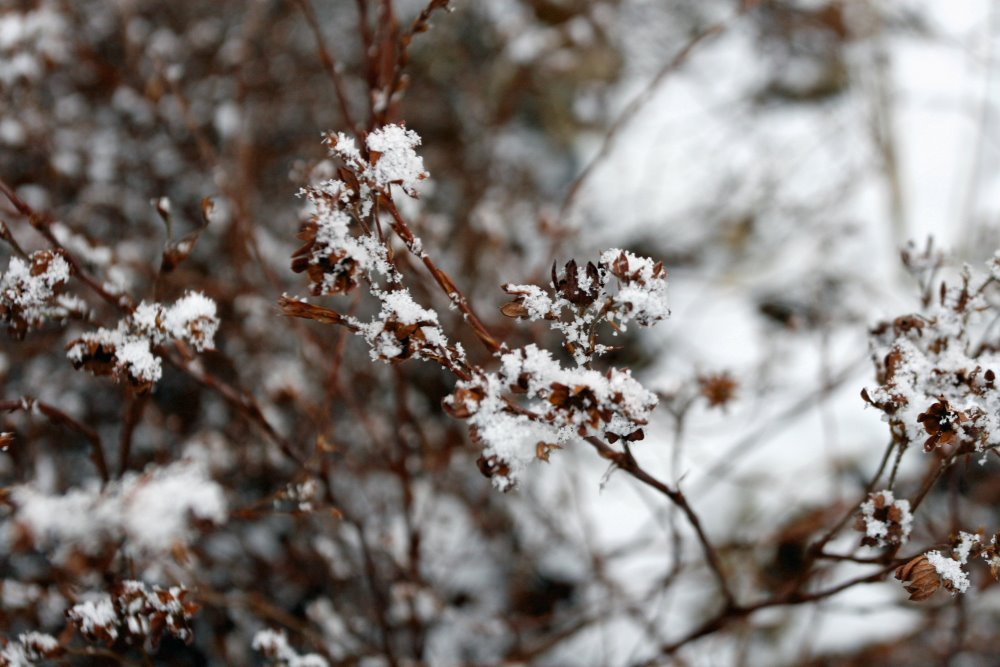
<point>274,644</point>
<point>879,530</point>
<point>397,162</point>
<point>191,319</point>
<point>641,295</point>
<point>950,570</point>
<point>95,616</point>
<point>152,512</point>
<point>136,358</point>
<point>561,404</point>
<point>27,648</point>
<point>157,506</point>
<point>400,304</point>
<point>28,288</point>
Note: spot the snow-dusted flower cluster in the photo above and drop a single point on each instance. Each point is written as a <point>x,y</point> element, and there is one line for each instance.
<point>135,611</point>
<point>885,520</point>
<point>582,297</point>
<point>274,645</point>
<point>392,160</point>
<point>342,248</point>
<point>935,385</point>
<point>151,512</point>
<point>332,257</point>
<point>340,244</point>
<point>533,405</point>
<point>949,567</point>
<point>127,351</point>
<point>28,649</point>
<point>404,329</point>
<point>924,575</point>
<point>29,292</point>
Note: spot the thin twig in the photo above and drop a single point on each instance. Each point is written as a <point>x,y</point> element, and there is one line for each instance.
<point>633,108</point>
<point>329,64</point>
<point>59,418</point>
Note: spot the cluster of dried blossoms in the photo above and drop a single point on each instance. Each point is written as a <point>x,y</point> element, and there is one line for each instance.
<point>136,613</point>
<point>30,292</point>
<point>936,373</point>
<point>583,297</point>
<point>128,352</point>
<point>131,612</point>
<point>533,404</point>
<point>936,384</point>
<point>884,520</point>
<point>28,648</point>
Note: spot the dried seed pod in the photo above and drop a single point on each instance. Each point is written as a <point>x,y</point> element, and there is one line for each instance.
<point>942,423</point>
<point>919,577</point>
<point>719,389</point>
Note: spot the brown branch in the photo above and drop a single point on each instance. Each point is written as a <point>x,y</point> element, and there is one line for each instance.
<point>733,613</point>
<point>8,236</point>
<point>329,64</point>
<point>133,415</point>
<point>440,277</point>
<point>815,550</point>
<point>60,418</point>
<point>42,222</point>
<point>626,462</point>
<point>244,403</point>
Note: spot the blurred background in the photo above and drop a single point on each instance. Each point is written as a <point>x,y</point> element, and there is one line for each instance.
<point>775,155</point>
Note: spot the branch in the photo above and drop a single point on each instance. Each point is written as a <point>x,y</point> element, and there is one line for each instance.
<point>60,418</point>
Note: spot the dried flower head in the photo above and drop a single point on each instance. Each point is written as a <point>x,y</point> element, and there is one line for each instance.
<point>136,611</point>
<point>884,520</point>
<point>719,389</point>
<point>919,577</point>
<point>942,423</point>
<point>29,292</point>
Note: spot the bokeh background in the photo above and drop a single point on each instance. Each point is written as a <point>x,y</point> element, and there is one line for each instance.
<point>775,155</point>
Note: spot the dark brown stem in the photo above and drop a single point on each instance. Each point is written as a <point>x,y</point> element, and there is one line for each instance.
<point>329,64</point>
<point>243,402</point>
<point>441,278</point>
<point>626,462</point>
<point>42,222</point>
<point>133,415</point>
<point>60,418</point>
<point>734,613</point>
